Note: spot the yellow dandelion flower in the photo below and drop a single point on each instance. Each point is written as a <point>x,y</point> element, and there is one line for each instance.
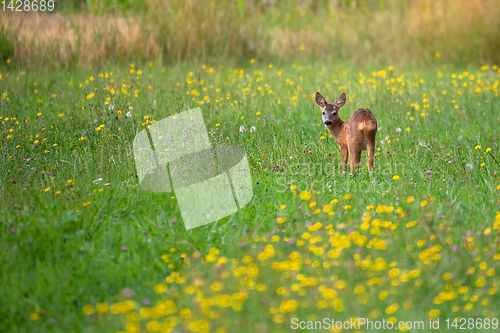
<point>88,309</point>
<point>102,307</point>
<point>160,288</point>
<point>288,306</point>
<point>392,308</point>
<point>305,195</point>
<point>434,313</point>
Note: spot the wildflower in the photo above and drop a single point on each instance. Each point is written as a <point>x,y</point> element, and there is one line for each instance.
<point>288,306</point>
<point>88,309</point>
<point>392,308</point>
<point>434,313</point>
<point>305,195</point>
<point>129,114</point>
<point>161,288</point>
<point>395,177</point>
<point>111,107</point>
<point>242,129</point>
<point>102,307</point>
<point>398,129</point>
<point>252,129</point>
<point>477,147</point>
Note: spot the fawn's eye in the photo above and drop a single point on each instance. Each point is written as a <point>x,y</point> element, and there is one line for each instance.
<point>323,113</point>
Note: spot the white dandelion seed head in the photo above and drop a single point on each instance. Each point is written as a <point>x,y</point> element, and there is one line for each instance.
<point>97,180</point>
<point>129,114</point>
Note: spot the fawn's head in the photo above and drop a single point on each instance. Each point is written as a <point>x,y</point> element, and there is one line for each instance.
<point>330,111</point>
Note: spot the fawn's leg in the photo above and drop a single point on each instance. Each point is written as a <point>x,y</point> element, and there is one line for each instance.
<point>345,157</point>
<point>355,157</point>
<point>370,148</point>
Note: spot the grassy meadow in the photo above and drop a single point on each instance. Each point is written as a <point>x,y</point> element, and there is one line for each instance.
<point>85,249</point>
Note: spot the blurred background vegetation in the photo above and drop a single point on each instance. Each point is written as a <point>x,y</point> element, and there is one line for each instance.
<point>412,32</point>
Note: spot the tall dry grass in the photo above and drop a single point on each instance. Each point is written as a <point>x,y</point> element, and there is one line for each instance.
<point>411,32</point>
<point>82,39</point>
<point>461,30</point>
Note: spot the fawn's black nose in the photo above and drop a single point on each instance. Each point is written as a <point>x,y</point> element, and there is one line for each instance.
<point>328,123</point>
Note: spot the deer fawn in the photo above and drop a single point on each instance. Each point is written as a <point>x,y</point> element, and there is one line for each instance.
<point>354,135</point>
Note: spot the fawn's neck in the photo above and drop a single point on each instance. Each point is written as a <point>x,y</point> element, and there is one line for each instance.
<point>335,130</point>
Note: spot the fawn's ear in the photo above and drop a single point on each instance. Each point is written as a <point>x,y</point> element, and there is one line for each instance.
<point>320,100</point>
<point>340,101</point>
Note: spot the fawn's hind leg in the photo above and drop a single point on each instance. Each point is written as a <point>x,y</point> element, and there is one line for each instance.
<point>370,148</point>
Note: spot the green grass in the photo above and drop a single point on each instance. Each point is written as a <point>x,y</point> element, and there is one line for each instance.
<point>74,251</point>
<point>359,33</point>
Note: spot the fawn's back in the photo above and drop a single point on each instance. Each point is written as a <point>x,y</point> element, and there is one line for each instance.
<point>361,128</point>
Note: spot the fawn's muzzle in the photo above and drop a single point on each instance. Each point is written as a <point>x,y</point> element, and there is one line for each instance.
<point>328,123</point>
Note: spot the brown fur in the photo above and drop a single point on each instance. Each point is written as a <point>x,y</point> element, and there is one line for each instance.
<point>354,135</point>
